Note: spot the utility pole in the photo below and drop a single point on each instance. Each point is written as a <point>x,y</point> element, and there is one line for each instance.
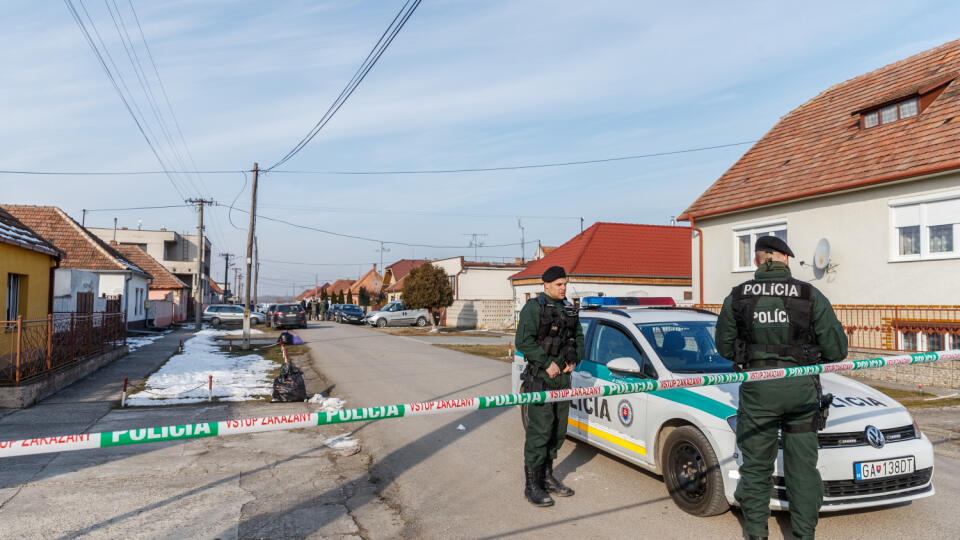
<point>256,269</point>
<point>198,292</point>
<point>226,270</point>
<point>250,231</point>
<point>381,250</point>
<point>83,218</point>
<point>236,280</point>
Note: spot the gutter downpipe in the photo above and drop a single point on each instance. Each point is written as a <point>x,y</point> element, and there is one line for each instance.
<point>699,258</point>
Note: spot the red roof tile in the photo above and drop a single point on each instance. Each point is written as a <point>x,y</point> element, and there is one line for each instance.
<point>82,249</point>
<point>214,287</point>
<point>620,250</point>
<point>820,147</point>
<point>340,285</point>
<point>162,278</point>
<point>372,281</point>
<point>15,233</point>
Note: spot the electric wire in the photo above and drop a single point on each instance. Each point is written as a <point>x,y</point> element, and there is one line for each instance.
<point>372,57</point>
<point>113,81</point>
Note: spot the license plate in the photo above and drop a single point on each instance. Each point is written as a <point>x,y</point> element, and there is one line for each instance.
<point>868,470</point>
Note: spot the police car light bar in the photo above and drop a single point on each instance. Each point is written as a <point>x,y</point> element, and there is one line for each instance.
<point>626,301</point>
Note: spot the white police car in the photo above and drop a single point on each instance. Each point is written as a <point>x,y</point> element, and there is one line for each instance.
<point>872,453</point>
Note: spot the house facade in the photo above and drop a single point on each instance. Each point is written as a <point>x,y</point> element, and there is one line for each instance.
<point>165,287</point>
<point>176,252</point>
<point>121,284</point>
<point>394,275</point>
<point>27,267</point>
<point>482,294</point>
<point>871,169</point>
<point>616,259</point>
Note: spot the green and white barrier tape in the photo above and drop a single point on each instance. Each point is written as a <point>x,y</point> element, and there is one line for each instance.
<point>295,421</point>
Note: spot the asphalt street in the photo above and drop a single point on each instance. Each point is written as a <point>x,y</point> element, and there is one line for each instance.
<point>467,483</point>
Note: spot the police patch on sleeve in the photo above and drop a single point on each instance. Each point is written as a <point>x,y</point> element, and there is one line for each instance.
<point>625,412</point>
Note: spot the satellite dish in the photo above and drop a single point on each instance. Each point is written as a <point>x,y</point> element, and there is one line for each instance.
<point>821,258</point>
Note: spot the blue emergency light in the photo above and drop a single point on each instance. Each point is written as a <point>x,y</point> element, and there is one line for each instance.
<point>626,301</point>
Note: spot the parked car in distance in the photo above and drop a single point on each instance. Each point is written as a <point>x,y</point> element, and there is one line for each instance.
<point>289,316</point>
<point>220,314</point>
<point>396,314</point>
<point>350,313</point>
<point>268,312</point>
<point>332,312</point>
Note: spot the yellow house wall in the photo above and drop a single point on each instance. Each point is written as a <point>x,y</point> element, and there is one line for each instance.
<point>17,260</point>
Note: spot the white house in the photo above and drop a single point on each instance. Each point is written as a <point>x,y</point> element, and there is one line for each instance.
<point>870,166</point>
<point>483,296</point>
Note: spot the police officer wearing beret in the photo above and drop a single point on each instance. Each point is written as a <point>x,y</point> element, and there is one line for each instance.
<point>775,321</point>
<point>550,338</point>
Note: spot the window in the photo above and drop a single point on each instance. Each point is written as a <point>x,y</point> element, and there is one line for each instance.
<point>925,228</point>
<point>908,341</point>
<point>744,238</point>
<point>935,341</point>
<point>16,303</point>
<point>611,343</point>
<point>891,113</point>
<point>686,346</point>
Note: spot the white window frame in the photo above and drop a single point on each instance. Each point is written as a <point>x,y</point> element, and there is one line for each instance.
<point>14,286</point>
<point>752,229</point>
<point>923,203</point>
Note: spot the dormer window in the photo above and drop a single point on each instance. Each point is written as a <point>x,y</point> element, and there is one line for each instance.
<point>890,113</point>
<point>904,103</point>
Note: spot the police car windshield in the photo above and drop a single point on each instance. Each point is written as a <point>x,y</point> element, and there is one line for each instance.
<point>686,346</point>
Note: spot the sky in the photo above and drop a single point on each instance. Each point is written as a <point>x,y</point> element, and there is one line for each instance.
<point>465,84</point>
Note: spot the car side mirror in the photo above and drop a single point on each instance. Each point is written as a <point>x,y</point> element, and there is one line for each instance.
<point>624,365</point>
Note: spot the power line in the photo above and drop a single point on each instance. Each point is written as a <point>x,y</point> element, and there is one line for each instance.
<point>375,53</point>
<point>113,81</point>
<point>408,212</point>
<point>137,208</point>
<point>355,237</point>
<point>114,173</point>
<point>313,264</point>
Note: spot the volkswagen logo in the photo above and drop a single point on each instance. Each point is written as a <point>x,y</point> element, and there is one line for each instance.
<point>875,437</point>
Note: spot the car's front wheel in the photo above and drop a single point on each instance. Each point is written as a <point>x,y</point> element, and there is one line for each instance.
<point>692,473</point>
<point>421,322</point>
<point>381,323</point>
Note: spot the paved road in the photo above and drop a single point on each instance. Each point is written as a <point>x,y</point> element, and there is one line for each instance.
<point>467,483</point>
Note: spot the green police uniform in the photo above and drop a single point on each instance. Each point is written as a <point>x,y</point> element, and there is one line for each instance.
<point>764,405</point>
<point>546,422</point>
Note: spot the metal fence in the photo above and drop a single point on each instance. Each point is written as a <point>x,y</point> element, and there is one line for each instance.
<point>896,328</point>
<point>31,349</point>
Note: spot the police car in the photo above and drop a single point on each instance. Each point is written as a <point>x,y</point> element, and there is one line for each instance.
<point>872,452</point>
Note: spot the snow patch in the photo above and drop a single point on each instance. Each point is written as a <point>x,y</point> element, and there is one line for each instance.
<point>184,378</point>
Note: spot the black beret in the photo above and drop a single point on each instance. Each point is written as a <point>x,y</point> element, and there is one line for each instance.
<point>553,273</point>
<point>772,243</point>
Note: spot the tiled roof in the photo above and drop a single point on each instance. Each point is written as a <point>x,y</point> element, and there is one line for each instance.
<point>15,233</point>
<point>82,249</point>
<point>820,147</point>
<point>372,281</point>
<point>340,285</point>
<point>402,267</point>
<point>214,287</point>
<point>620,250</point>
<point>398,285</point>
<point>162,278</point>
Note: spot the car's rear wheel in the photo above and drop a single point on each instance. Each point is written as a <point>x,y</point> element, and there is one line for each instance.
<point>692,473</point>
<point>215,322</point>
<point>421,322</point>
<point>381,323</point>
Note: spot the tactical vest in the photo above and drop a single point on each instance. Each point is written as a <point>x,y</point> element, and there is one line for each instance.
<point>797,299</point>
<point>557,334</point>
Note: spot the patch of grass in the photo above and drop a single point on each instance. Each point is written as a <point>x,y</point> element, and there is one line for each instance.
<point>443,332</point>
<point>912,399</point>
<point>499,352</point>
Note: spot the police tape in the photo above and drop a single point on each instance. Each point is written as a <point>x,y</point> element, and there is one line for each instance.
<point>124,437</point>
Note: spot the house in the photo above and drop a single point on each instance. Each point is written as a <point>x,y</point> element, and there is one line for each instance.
<point>393,277</point>
<point>218,295</point>
<point>340,286</point>
<point>616,259</point>
<point>482,295</point>
<point>122,285</point>
<point>870,168</point>
<point>543,251</point>
<point>27,267</point>
<point>371,282</point>
<point>165,286</point>
<point>176,252</point>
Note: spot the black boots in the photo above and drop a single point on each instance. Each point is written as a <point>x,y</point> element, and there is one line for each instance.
<point>534,490</point>
<point>551,484</point>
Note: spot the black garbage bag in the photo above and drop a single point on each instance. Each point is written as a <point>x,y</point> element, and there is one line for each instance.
<point>289,385</point>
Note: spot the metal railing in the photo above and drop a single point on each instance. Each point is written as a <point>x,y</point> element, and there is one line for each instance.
<point>31,349</point>
<point>895,327</point>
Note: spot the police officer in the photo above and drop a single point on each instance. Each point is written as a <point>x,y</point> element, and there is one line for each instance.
<point>551,339</point>
<point>770,322</point>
